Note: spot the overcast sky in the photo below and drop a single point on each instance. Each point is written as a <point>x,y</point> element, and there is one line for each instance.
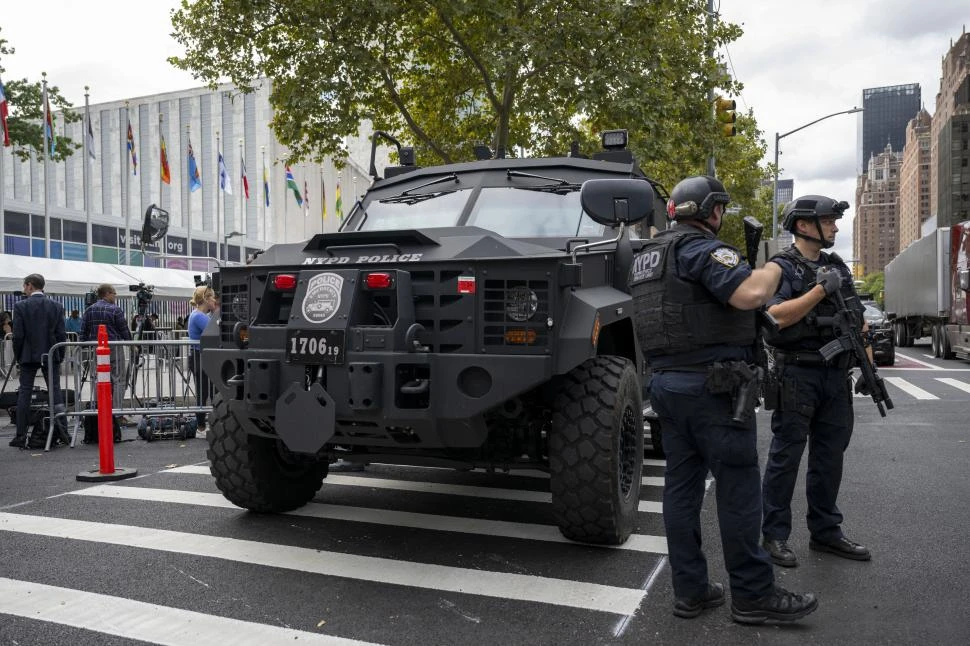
<point>798,61</point>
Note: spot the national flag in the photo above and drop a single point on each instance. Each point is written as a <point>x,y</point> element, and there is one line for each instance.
<point>339,203</point>
<point>166,174</point>
<point>131,149</point>
<point>3,116</point>
<point>195,180</point>
<point>49,126</point>
<point>265,184</point>
<point>224,182</point>
<point>90,134</point>
<point>306,199</point>
<point>291,184</point>
<point>245,182</point>
<point>323,197</point>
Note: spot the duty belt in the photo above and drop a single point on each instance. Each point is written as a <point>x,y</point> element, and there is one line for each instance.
<point>811,358</point>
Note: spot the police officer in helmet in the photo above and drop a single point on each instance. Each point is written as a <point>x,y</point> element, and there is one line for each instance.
<point>814,396</point>
<point>695,300</point>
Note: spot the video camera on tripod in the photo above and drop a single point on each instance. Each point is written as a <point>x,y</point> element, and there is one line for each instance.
<point>143,294</point>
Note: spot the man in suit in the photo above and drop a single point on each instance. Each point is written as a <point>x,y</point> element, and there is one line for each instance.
<point>38,323</point>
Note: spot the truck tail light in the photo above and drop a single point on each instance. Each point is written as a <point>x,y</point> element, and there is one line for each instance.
<point>379,280</point>
<point>284,282</point>
<point>466,284</point>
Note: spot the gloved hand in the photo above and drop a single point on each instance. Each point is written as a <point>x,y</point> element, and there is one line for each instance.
<point>862,388</point>
<point>830,280</point>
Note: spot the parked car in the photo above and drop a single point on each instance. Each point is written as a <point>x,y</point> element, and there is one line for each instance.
<point>883,341</point>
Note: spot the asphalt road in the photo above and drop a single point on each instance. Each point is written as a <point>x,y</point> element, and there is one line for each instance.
<point>399,555</point>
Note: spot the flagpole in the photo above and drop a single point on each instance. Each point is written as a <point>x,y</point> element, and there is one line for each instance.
<point>161,203</point>
<point>306,204</point>
<point>188,202</point>
<point>262,154</point>
<point>242,202</point>
<point>218,200</point>
<point>47,150</point>
<point>127,200</point>
<point>86,175</point>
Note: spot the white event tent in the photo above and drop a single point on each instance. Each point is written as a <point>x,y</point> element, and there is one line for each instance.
<point>72,277</point>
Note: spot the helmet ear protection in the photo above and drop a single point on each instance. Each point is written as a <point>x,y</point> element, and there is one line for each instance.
<point>686,210</point>
<point>695,197</point>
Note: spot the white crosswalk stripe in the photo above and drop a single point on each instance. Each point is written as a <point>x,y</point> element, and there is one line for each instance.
<point>527,531</point>
<point>518,587</point>
<point>910,388</point>
<point>956,383</point>
<point>145,622</point>
<point>433,487</point>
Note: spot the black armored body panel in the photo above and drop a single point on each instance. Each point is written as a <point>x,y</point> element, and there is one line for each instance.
<point>468,315</point>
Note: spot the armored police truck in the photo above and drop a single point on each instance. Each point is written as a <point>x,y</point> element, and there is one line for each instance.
<point>472,315</point>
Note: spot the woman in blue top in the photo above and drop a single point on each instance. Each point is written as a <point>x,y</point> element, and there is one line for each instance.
<point>204,301</point>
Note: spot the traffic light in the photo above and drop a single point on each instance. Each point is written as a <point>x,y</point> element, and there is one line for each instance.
<point>726,116</point>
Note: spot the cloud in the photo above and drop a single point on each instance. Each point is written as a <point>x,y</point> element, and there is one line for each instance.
<point>905,20</point>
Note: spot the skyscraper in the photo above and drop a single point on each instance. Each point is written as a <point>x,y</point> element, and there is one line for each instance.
<point>875,232</point>
<point>914,180</point>
<point>950,138</point>
<point>887,111</point>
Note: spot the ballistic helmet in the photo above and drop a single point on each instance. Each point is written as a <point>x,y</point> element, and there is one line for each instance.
<point>694,198</point>
<point>811,207</point>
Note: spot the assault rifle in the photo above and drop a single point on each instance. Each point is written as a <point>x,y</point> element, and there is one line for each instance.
<point>849,338</point>
<point>750,389</point>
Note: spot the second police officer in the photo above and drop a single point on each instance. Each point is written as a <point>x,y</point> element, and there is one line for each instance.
<point>814,396</point>
<point>695,301</point>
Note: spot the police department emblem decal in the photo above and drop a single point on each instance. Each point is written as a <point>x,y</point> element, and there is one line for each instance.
<point>726,256</point>
<point>322,299</point>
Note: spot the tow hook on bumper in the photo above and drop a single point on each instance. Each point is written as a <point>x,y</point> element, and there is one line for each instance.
<point>305,419</point>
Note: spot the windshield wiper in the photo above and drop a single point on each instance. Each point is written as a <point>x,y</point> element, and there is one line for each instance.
<point>413,199</point>
<point>559,185</point>
<point>453,177</point>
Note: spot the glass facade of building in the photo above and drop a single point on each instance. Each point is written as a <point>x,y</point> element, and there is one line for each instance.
<point>213,121</point>
<point>887,110</point>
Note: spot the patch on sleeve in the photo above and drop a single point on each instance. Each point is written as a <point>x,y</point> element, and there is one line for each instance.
<point>726,256</point>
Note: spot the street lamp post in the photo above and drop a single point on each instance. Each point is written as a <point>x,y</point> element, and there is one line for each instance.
<point>774,190</point>
<point>226,239</point>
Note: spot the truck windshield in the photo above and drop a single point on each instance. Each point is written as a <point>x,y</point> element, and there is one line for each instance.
<point>508,211</point>
<point>438,209</point>
<point>518,213</point>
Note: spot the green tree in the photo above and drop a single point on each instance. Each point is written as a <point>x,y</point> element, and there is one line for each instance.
<point>875,284</point>
<point>446,74</point>
<point>26,120</point>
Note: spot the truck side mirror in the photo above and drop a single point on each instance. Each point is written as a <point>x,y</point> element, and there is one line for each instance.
<point>612,201</point>
<point>965,279</point>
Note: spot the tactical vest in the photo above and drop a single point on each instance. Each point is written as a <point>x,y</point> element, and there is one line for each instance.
<point>815,329</point>
<point>673,315</point>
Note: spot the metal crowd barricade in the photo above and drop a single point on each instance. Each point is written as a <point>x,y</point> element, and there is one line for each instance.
<point>7,362</point>
<point>157,380</point>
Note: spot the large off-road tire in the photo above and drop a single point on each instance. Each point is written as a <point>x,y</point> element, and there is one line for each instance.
<point>596,451</point>
<point>255,472</point>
